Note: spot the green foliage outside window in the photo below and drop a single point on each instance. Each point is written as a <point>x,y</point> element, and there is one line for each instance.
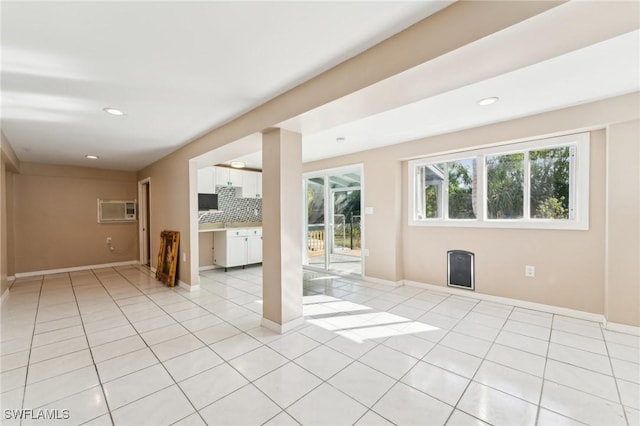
<point>505,191</point>
<point>550,170</point>
<point>461,184</point>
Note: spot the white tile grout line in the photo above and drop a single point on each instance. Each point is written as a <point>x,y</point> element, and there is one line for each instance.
<point>26,376</point>
<point>615,381</point>
<point>95,366</point>
<point>544,370</point>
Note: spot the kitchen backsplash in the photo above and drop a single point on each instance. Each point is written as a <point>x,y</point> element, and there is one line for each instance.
<point>234,209</point>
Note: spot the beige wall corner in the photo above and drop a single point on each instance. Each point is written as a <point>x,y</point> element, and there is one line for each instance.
<point>622,289</point>
<point>4,282</point>
<point>8,155</point>
<point>9,164</point>
<point>282,226</point>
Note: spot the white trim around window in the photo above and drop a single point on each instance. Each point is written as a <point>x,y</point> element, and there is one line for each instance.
<point>574,213</point>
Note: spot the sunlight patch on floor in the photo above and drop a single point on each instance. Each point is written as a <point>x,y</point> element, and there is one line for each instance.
<point>339,316</point>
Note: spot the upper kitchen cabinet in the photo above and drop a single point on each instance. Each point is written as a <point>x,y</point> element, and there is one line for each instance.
<point>251,184</point>
<point>228,177</point>
<point>206,180</point>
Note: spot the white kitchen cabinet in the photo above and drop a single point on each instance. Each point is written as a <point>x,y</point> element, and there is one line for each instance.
<point>222,176</point>
<point>237,247</point>
<point>206,180</point>
<point>251,184</point>
<point>259,185</point>
<point>228,177</point>
<point>236,177</point>
<point>254,246</point>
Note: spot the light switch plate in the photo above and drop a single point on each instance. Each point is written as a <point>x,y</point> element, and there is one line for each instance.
<point>368,210</point>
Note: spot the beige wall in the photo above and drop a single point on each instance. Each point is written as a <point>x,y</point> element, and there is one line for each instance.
<point>169,207</point>
<point>570,265</point>
<point>56,217</point>
<point>623,223</point>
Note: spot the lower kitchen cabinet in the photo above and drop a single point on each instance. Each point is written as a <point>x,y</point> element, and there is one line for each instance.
<point>237,247</point>
<point>254,246</point>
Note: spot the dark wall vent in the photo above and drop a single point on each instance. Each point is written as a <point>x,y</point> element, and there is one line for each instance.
<point>460,269</point>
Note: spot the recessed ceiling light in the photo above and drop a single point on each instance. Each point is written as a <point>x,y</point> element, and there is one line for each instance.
<point>113,111</point>
<point>488,101</point>
<point>91,157</point>
<point>237,164</point>
<point>340,139</point>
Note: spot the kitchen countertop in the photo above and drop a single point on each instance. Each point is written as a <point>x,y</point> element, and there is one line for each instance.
<point>215,227</point>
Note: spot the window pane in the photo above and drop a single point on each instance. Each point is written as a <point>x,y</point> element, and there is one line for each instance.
<point>550,183</point>
<point>433,190</point>
<point>505,177</point>
<point>462,189</point>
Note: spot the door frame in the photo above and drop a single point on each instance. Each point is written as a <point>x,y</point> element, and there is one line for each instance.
<point>144,228</point>
<point>328,205</point>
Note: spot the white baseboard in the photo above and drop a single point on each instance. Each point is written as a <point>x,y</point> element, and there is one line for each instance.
<point>4,296</point>
<point>282,328</point>
<point>75,269</point>
<point>208,268</point>
<point>188,287</point>
<point>383,282</point>
<point>623,328</point>
<point>588,316</point>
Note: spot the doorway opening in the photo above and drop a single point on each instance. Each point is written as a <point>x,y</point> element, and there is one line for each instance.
<point>333,220</point>
<point>144,221</point>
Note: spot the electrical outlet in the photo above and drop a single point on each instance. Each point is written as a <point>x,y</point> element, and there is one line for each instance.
<point>109,241</point>
<point>529,271</point>
<point>366,252</point>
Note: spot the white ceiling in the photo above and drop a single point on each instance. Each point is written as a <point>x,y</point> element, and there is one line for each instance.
<point>181,69</point>
<point>596,72</point>
<point>177,69</point>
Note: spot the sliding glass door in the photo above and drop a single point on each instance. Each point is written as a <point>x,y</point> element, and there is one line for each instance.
<point>333,237</point>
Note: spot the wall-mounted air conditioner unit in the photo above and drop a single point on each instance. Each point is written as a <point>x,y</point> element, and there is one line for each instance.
<point>110,211</point>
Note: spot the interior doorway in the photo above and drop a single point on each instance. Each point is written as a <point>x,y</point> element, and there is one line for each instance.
<point>333,220</point>
<point>144,221</point>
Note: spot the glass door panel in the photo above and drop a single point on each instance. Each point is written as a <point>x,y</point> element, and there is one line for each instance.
<point>345,231</point>
<point>316,225</point>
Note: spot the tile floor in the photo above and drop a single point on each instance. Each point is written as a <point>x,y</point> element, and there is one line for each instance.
<point>113,346</point>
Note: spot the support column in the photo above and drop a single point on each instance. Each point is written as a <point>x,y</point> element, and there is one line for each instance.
<point>281,229</point>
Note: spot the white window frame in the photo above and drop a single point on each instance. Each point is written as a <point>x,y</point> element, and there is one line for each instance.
<point>578,187</point>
